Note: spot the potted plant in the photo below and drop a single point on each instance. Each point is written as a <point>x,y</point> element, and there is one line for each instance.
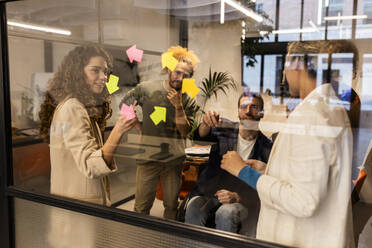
<point>210,86</point>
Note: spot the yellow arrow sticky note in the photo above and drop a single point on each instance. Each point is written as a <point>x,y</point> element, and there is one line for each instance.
<point>189,87</point>
<point>158,115</point>
<point>112,84</point>
<point>167,60</point>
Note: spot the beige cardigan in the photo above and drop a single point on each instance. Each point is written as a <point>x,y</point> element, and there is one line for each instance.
<point>77,167</point>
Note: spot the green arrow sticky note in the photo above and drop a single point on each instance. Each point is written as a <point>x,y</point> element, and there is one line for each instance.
<point>112,84</point>
<point>167,60</point>
<point>158,115</point>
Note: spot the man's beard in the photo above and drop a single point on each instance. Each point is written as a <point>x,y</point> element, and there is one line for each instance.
<point>249,123</point>
<point>177,88</point>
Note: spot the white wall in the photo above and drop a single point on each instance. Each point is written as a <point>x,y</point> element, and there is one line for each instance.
<point>218,45</point>
<point>26,56</point>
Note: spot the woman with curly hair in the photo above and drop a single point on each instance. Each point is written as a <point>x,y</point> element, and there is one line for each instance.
<point>73,114</point>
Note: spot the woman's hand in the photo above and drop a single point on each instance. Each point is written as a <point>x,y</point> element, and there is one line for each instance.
<point>257,165</point>
<point>123,125</point>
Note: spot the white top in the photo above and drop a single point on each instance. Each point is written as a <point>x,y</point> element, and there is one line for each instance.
<point>245,147</point>
<point>305,192</point>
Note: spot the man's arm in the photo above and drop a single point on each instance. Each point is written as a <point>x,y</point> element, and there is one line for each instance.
<point>226,197</point>
<point>211,119</point>
<point>182,123</point>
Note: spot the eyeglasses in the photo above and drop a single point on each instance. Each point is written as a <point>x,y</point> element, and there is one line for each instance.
<point>254,107</point>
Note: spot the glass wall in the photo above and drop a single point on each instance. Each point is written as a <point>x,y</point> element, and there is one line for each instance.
<point>221,114</point>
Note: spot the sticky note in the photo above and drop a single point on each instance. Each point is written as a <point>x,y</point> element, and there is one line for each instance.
<point>128,111</point>
<point>158,115</point>
<point>167,60</point>
<point>188,86</point>
<point>112,84</point>
<point>134,54</point>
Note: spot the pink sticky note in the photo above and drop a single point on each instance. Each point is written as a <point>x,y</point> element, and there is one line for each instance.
<point>134,54</point>
<point>128,111</point>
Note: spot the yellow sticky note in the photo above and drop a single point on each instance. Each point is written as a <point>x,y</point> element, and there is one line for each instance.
<point>112,84</point>
<point>158,115</point>
<point>167,60</point>
<point>188,86</point>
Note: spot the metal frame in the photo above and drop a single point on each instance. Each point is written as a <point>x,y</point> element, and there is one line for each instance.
<point>8,192</point>
<point>6,176</point>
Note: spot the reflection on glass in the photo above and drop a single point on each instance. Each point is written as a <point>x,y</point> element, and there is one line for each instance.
<point>78,17</point>
<point>342,72</point>
<point>268,7</point>
<point>289,22</point>
<point>366,88</point>
<point>252,74</point>
<point>340,28</point>
<point>138,26</point>
<point>363,26</point>
<point>311,21</point>
<point>272,73</point>
<point>33,222</point>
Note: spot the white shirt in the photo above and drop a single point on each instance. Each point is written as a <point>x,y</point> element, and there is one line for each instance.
<point>305,192</point>
<point>245,147</point>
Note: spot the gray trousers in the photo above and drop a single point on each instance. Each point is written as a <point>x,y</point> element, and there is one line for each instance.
<point>146,184</point>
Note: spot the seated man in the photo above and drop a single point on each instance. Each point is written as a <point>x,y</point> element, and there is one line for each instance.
<point>217,193</point>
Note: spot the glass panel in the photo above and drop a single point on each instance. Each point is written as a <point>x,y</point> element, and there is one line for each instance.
<point>366,89</point>
<point>342,72</point>
<point>312,21</point>
<point>273,71</point>
<point>186,99</point>
<point>138,26</point>
<point>289,25</point>
<point>363,26</point>
<point>340,28</point>
<point>269,8</point>
<point>252,74</point>
<point>38,225</point>
<point>70,19</point>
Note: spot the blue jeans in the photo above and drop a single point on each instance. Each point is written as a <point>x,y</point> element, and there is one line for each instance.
<point>228,217</point>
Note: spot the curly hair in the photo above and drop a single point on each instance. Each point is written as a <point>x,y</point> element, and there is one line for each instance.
<point>184,55</point>
<point>70,81</point>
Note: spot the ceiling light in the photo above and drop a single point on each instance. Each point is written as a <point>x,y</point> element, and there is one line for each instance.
<point>320,12</point>
<point>39,28</point>
<point>294,31</point>
<point>335,18</point>
<point>222,12</point>
<point>290,31</point>
<point>246,11</point>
